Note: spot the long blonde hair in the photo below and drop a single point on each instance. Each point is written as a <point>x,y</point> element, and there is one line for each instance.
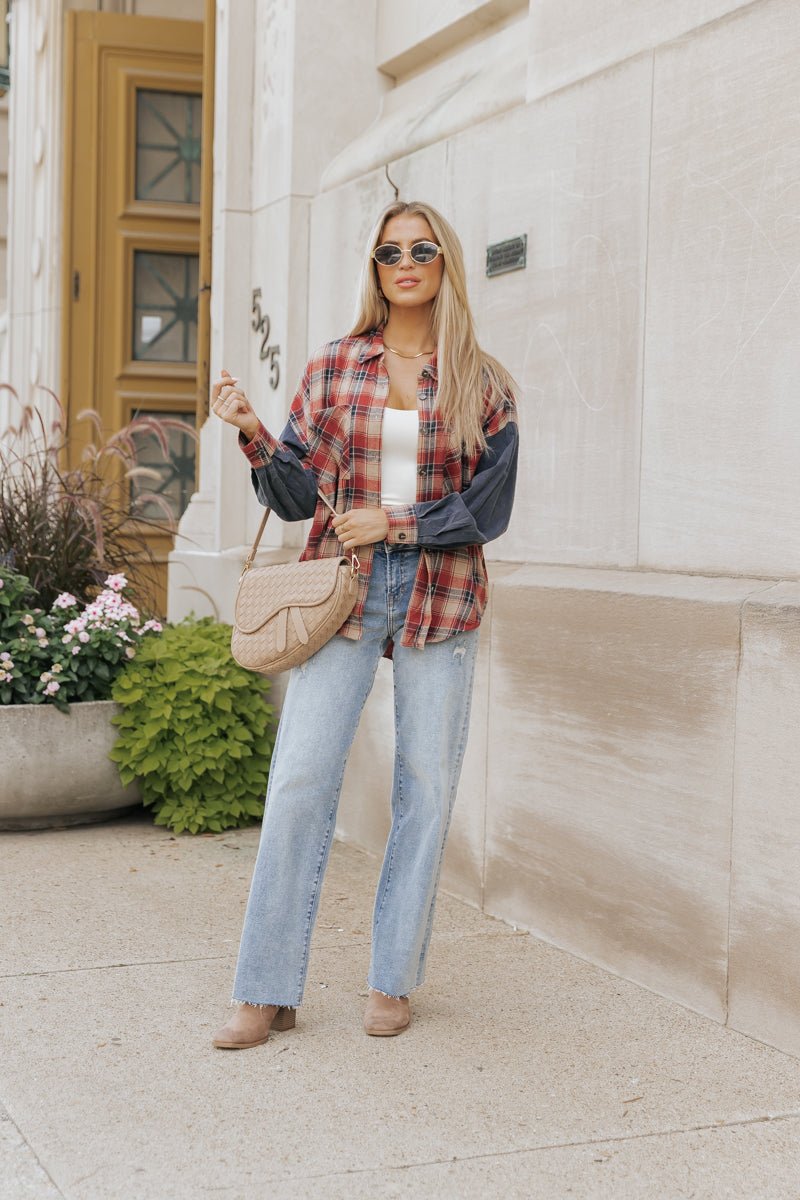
<point>465,372</point>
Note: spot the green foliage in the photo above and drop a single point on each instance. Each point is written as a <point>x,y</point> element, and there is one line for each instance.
<point>195,729</point>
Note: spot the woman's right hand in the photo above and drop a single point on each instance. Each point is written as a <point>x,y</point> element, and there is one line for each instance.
<point>229,402</point>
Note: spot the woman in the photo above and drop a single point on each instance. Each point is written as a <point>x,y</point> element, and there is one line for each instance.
<point>410,431</point>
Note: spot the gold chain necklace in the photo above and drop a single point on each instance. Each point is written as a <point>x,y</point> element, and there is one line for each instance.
<point>401,355</point>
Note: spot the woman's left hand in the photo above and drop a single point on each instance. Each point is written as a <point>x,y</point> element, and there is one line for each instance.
<point>360,527</point>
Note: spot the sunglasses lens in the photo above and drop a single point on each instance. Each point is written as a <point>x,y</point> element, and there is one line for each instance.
<point>388,255</point>
<point>424,252</point>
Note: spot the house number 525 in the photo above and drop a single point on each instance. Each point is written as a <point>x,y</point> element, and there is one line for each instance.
<point>260,324</point>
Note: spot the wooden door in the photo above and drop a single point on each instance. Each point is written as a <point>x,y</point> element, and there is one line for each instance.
<point>133,151</point>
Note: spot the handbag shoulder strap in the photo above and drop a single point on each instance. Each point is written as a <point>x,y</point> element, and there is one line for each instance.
<point>248,562</point>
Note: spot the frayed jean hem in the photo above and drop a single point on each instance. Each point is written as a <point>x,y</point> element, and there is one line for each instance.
<point>267,1004</point>
<point>394,995</point>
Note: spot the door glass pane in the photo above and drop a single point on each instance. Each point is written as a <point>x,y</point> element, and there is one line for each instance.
<point>168,128</point>
<point>165,307</point>
<point>176,473</point>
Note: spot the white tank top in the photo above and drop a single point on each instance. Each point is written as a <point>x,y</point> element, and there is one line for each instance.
<point>399,456</point>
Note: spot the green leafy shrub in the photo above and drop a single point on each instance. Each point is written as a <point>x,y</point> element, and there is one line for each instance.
<point>195,729</point>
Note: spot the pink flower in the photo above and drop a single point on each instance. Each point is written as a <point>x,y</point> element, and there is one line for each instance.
<point>76,649</point>
<point>83,636</point>
<point>65,600</point>
<point>39,632</point>
<point>52,687</point>
<point>116,582</point>
<point>5,657</point>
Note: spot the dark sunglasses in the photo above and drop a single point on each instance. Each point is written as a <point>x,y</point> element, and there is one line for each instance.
<point>389,255</point>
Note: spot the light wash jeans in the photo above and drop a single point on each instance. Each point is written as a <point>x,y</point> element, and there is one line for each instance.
<point>324,700</point>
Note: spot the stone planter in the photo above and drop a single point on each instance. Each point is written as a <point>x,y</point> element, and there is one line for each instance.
<point>55,766</point>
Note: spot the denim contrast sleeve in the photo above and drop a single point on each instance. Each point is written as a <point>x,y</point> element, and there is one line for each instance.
<point>281,477</point>
<point>478,514</point>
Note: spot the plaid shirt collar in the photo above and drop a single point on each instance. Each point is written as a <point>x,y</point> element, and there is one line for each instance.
<point>374,347</point>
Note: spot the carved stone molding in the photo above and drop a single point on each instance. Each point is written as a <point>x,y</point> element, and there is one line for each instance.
<point>34,217</point>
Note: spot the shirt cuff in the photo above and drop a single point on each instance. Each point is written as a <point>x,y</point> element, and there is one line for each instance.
<point>402,525</point>
<point>261,447</point>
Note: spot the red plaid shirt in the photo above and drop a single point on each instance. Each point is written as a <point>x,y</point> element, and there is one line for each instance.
<point>333,440</point>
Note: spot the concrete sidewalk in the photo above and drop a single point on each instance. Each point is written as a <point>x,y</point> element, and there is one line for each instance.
<point>526,1072</point>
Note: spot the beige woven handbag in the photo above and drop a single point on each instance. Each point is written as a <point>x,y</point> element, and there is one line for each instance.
<point>286,612</point>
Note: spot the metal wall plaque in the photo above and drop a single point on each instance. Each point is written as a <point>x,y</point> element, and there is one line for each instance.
<point>507,256</point>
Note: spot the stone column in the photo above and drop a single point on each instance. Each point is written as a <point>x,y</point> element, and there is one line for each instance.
<point>295,82</point>
<point>35,204</point>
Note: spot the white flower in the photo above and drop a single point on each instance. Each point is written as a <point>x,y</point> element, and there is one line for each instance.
<point>57,668</point>
<point>116,582</point>
<point>27,619</point>
<point>130,652</point>
<point>83,636</point>
<point>45,677</point>
<point>39,632</point>
<point>65,600</point>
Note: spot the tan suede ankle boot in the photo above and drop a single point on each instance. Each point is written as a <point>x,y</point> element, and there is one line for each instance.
<point>386,1016</point>
<point>251,1025</point>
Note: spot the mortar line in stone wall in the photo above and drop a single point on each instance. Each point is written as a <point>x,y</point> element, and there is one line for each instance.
<point>644,302</point>
<point>689,573</point>
<point>486,757</point>
<point>615,63</point>
<point>740,656</point>
<point>307,303</point>
<point>260,208</point>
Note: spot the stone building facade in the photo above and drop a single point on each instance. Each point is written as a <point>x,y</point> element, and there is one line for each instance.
<point>630,791</point>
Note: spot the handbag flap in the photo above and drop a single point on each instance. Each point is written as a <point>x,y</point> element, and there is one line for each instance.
<point>264,591</point>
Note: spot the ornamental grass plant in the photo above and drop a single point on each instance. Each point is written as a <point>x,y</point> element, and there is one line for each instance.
<point>67,516</point>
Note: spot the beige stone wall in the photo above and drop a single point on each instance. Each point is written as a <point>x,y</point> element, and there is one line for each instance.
<point>630,782</point>
<point>3,200</point>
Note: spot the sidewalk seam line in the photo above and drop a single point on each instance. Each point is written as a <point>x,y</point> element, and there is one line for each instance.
<point>39,1163</point>
<point>632,1137</point>
<point>155,962</point>
<point>452,935</point>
